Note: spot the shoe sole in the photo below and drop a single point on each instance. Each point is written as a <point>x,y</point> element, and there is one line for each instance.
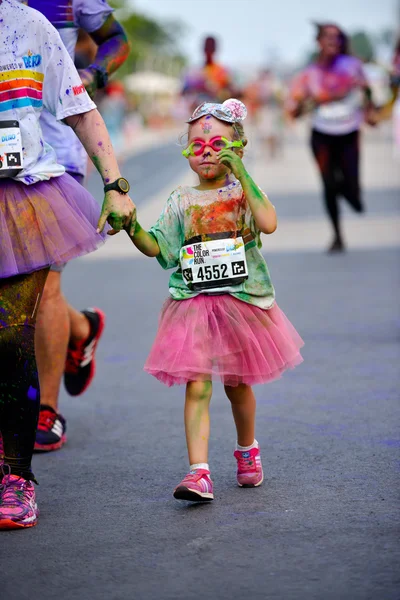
<point>50,447</point>
<point>184,493</point>
<point>251,485</point>
<point>10,524</point>
<point>102,324</point>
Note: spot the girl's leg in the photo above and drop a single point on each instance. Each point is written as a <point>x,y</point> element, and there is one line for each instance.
<point>323,151</point>
<point>243,405</point>
<point>19,386</point>
<point>249,467</point>
<point>197,420</point>
<point>197,485</point>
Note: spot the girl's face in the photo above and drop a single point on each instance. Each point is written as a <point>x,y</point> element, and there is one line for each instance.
<point>329,41</point>
<point>207,165</point>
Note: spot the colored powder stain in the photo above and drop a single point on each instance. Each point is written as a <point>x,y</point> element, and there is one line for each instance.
<point>68,91</point>
<point>32,393</point>
<point>99,143</point>
<point>223,215</point>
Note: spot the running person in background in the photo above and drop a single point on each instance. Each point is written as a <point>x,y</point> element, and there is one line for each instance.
<point>46,218</point>
<point>66,339</point>
<point>335,90</point>
<point>210,83</point>
<point>221,320</point>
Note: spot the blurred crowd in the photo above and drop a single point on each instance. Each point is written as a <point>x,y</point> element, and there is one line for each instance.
<point>150,99</point>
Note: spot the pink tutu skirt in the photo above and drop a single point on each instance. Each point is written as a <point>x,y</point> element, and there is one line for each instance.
<point>210,337</point>
<point>50,222</point>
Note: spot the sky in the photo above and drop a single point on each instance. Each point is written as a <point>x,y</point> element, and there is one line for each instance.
<point>253,32</point>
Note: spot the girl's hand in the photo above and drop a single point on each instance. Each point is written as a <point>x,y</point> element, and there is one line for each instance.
<point>119,210</point>
<point>233,161</point>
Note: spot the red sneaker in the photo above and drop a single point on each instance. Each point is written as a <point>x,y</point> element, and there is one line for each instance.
<point>50,434</point>
<point>80,367</point>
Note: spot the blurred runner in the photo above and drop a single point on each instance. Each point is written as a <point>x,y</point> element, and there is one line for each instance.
<point>267,96</point>
<point>66,339</point>
<point>113,108</point>
<point>210,83</point>
<point>334,89</point>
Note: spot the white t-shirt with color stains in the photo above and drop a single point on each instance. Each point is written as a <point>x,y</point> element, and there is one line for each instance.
<point>36,72</point>
<point>68,16</point>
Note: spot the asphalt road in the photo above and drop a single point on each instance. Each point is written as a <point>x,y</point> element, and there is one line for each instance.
<point>324,526</point>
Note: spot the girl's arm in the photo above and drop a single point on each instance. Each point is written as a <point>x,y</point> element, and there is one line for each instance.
<point>262,209</point>
<point>143,240</point>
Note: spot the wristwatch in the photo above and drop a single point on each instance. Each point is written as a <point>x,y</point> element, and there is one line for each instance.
<point>121,185</point>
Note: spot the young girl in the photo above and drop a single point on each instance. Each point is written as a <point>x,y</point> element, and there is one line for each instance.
<point>222,318</point>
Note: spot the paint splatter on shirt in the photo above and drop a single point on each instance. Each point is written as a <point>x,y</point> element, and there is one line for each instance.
<point>68,16</point>
<point>191,213</point>
<point>36,72</point>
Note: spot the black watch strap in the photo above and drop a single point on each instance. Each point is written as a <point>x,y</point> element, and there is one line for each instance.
<point>120,185</point>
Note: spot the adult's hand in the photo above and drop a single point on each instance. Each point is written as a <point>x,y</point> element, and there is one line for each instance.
<point>118,210</point>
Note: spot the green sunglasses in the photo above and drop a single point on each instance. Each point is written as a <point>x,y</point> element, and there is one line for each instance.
<point>217,143</point>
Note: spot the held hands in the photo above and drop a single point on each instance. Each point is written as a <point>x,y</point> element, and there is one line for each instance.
<point>233,162</point>
<point>119,211</point>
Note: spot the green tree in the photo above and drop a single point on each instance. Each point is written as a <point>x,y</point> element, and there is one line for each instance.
<point>153,44</point>
<point>362,46</point>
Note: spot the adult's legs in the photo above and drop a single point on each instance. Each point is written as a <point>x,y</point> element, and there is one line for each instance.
<point>57,323</point>
<point>19,386</point>
<point>348,161</point>
<point>324,152</point>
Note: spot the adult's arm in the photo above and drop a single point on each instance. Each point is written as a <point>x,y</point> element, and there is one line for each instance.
<point>118,209</point>
<point>112,51</point>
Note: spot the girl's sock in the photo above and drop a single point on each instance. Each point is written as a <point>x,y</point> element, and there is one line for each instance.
<point>200,466</point>
<point>246,448</point>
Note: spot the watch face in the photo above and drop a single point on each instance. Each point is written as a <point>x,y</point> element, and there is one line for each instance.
<point>123,185</point>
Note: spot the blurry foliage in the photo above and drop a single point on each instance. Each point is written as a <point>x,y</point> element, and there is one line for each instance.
<point>153,43</point>
<point>362,45</point>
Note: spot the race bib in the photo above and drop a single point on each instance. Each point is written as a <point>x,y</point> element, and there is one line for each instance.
<point>340,110</point>
<point>214,264</point>
<point>10,149</point>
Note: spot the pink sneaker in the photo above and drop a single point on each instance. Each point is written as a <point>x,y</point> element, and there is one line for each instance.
<point>196,487</point>
<point>249,467</point>
<point>18,506</point>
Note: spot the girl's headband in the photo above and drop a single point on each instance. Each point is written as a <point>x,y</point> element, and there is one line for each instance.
<point>231,111</point>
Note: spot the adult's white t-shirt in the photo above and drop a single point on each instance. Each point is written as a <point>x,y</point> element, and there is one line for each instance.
<point>36,72</point>
<point>68,16</point>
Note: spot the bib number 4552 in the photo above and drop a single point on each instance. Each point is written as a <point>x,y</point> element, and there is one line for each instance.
<point>213,272</point>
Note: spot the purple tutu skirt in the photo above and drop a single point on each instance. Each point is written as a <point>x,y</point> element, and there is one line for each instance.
<point>210,337</point>
<point>50,222</point>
